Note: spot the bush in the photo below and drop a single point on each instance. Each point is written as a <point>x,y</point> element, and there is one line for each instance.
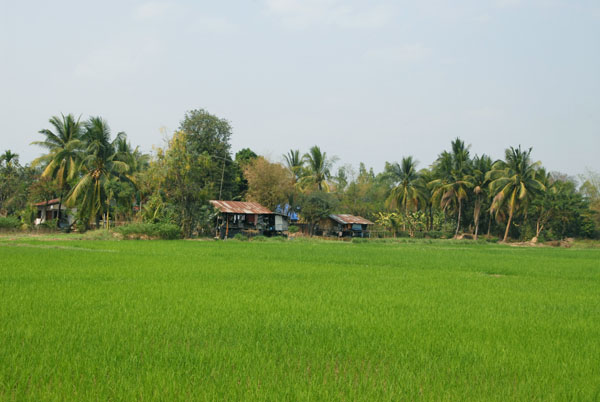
<point>359,240</point>
<point>434,234</point>
<point>165,231</point>
<point>81,226</point>
<point>51,224</point>
<point>240,237</point>
<point>293,229</point>
<point>98,234</point>
<point>419,235</point>
<point>259,238</point>
<point>9,222</point>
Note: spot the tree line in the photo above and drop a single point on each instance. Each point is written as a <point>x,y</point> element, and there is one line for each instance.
<point>104,179</point>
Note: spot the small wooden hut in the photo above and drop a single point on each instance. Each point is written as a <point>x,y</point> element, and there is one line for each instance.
<point>249,218</point>
<point>345,225</point>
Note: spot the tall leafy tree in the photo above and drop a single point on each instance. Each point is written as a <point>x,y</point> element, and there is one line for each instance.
<point>64,145</point>
<point>268,183</point>
<point>315,206</point>
<point>242,158</point>
<point>209,135</point>
<point>364,194</point>
<point>590,189</point>
<point>514,182</point>
<point>13,183</point>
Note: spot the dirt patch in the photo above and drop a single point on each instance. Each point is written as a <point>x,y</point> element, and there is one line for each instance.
<point>47,246</point>
<point>566,243</point>
<point>493,275</point>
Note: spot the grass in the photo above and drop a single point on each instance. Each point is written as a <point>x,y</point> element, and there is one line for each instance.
<point>297,320</point>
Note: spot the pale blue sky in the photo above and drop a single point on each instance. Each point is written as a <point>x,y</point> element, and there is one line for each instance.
<point>368,81</point>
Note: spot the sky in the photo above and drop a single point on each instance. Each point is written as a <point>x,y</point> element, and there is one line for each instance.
<point>367,81</point>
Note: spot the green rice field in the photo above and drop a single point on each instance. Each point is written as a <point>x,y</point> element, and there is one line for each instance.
<point>297,320</point>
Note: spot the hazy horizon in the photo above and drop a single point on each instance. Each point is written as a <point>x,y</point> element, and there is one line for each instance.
<point>366,81</point>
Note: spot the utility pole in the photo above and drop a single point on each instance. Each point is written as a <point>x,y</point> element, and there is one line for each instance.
<point>222,177</point>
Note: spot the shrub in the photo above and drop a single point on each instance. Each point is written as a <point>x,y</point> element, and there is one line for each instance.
<point>9,222</point>
<point>81,226</point>
<point>359,240</point>
<point>419,235</point>
<point>240,237</point>
<point>99,234</point>
<point>166,231</point>
<point>259,238</point>
<point>293,229</point>
<point>51,224</point>
<point>434,234</point>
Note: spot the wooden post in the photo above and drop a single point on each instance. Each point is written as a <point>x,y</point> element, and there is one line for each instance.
<point>226,226</point>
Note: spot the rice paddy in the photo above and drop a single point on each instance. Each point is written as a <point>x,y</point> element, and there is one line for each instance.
<point>297,320</point>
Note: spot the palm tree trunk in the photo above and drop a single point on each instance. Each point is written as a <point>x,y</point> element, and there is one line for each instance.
<point>489,225</point>
<point>510,215</point>
<point>458,220</point>
<point>59,208</point>
<point>477,211</point>
<point>430,219</point>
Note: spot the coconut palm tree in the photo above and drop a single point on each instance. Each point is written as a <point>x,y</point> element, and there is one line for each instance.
<point>451,187</point>
<point>294,163</point>
<point>137,163</point>
<point>481,166</point>
<point>544,205</point>
<point>98,167</point>
<point>318,168</point>
<point>514,182</point>
<point>9,159</point>
<point>408,194</point>
<point>64,147</point>
<point>427,176</point>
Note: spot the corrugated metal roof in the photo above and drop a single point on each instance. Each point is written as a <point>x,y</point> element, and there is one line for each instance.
<point>239,207</point>
<point>49,202</point>
<point>346,219</point>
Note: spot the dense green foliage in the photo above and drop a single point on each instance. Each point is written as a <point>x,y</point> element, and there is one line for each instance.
<point>9,222</point>
<point>106,180</point>
<point>166,231</point>
<point>297,320</point>
<point>317,205</point>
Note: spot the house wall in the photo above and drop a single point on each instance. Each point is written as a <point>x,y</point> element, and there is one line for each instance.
<point>50,212</point>
<point>231,224</point>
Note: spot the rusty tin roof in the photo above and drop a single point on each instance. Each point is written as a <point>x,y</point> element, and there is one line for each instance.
<point>239,207</point>
<point>49,202</point>
<point>346,219</point>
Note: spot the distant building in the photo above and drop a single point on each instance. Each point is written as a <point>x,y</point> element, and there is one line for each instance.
<point>249,218</point>
<point>48,210</point>
<point>344,225</point>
